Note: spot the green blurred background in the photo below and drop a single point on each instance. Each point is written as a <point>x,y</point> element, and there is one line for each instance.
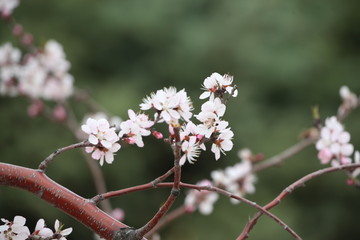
<point>286,56</point>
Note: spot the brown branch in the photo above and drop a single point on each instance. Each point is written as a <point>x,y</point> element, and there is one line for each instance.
<point>174,193</point>
<point>43,165</point>
<point>199,188</point>
<point>171,216</point>
<point>281,157</point>
<point>299,183</point>
<point>62,198</point>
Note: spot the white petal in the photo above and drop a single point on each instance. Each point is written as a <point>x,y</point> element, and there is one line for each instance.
<point>205,95</point>
<point>93,140</point>
<point>66,231</point>
<point>106,144</point>
<point>40,224</point>
<point>109,157</point>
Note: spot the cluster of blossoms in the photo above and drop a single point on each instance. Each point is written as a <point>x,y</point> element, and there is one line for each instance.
<point>174,108</point>
<point>135,128</point>
<point>16,230</point>
<point>7,6</point>
<point>333,144</point>
<point>104,139</point>
<point>169,105</point>
<point>42,75</point>
<point>237,179</point>
<point>202,200</point>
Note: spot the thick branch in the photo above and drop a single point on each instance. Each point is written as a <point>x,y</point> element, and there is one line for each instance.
<point>290,189</point>
<point>62,198</point>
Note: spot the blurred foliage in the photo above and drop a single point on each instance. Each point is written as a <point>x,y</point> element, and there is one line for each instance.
<point>286,56</point>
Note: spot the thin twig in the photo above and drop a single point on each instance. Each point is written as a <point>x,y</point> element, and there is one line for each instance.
<point>43,165</point>
<point>299,183</point>
<point>281,157</point>
<point>95,170</point>
<point>171,216</point>
<point>175,190</point>
<point>200,188</point>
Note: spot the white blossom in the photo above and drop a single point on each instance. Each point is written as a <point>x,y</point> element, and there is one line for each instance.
<point>136,127</point>
<point>59,231</point>
<point>15,230</point>
<point>100,133</point>
<point>44,74</point>
<point>202,200</point>
<point>191,150</point>
<point>170,104</point>
<point>348,97</point>
<point>9,69</point>
<point>7,6</point>
<point>222,143</point>
<point>334,143</point>
<point>41,230</point>
<point>217,84</point>
<point>237,179</point>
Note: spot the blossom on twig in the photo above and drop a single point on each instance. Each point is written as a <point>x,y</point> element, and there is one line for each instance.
<point>135,128</point>
<point>334,143</point>
<point>237,179</point>
<point>15,230</point>
<point>170,105</point>
<point>202,200</point>
<point>218,85</point>
<point>104,139</point>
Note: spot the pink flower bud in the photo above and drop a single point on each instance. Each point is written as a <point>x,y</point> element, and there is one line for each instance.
<point>118,214</point>
<point>157,134</point>
<point>131,140</point>
<point>35,108</point>
<point>350,181</point>
<point>59,113</point>
<point>27,39</point>
<point>199,137</point>
<point>171,130</point>
<point>325,155</point>
<point>189,208</point>
<point>17,30</point>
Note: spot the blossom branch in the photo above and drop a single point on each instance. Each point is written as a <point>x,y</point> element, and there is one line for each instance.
<point>290,189</point>
<point>62,198</point>
<point>43,165</point>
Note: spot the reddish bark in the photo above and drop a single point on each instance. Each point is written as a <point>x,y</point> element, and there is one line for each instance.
<point>60,197</point>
